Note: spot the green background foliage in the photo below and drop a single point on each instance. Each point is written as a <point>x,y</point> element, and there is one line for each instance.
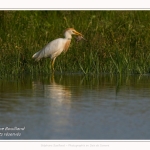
<point>117,41</point>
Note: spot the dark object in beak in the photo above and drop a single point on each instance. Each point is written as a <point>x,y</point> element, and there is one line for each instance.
<point>79,38</point>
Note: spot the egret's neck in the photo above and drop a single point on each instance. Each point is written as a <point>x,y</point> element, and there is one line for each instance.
<point>68,36</point>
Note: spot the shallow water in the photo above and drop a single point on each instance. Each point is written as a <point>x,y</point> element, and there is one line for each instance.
<point>75,107</point>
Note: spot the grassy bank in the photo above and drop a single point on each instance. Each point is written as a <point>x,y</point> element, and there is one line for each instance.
<point>117,41</point>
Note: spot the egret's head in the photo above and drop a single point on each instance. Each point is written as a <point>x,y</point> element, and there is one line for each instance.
<point>73,31</point>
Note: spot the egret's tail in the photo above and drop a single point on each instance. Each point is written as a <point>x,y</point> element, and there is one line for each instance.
<point>36,56</point>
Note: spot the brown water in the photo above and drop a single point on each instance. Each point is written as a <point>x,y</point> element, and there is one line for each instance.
<point>75,107</point>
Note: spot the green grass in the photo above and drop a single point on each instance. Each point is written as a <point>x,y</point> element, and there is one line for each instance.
<point>117,41</point>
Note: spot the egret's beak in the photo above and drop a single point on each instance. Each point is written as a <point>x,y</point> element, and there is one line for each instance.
<point>80,36</point>
<point>77,33</point>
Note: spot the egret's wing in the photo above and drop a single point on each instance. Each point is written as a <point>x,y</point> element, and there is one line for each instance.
<point>52,49</point>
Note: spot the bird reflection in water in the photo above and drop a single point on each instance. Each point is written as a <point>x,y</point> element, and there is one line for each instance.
<point>52,90</point>
<point>56,104</point>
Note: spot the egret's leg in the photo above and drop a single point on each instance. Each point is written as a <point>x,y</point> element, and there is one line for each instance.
<point>53,61</point>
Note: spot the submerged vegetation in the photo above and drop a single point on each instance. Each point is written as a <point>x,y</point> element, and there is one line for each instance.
<point>117,41</point>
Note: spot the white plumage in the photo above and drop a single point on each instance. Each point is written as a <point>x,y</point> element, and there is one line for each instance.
<point>51,50</point>
<point>56,47</point>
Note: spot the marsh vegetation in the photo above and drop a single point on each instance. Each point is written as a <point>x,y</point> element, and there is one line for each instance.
<point>117,41</point>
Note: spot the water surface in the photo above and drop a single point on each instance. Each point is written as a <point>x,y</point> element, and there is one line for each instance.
<point>68,107</point>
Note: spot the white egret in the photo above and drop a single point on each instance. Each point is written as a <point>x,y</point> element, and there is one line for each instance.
<point>57,46</point>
